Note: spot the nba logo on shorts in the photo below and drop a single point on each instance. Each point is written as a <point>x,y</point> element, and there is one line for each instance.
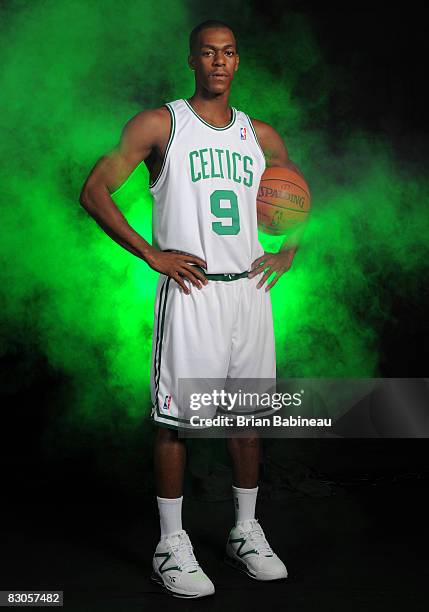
<point>243,133</point>
<point>167,402</point>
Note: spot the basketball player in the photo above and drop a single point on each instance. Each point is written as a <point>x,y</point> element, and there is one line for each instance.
<point>212,318</point>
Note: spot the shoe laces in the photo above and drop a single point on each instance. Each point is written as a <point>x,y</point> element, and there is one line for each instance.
<point>183,551</point>
<point>256,534</point>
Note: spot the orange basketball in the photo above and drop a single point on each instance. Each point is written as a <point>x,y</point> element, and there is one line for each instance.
<point>283,201</point>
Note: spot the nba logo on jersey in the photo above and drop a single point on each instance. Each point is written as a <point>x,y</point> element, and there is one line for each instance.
<point>167,402</point>
<point>243,133</point>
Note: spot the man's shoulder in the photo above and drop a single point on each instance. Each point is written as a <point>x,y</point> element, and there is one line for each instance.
<point>154,122</point>
<point>265,132</point>
<point>152,116</point>
<point>261,126</point>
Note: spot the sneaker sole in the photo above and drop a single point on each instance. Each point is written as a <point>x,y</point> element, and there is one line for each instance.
<point>170,591</point>
<point>240,565</point>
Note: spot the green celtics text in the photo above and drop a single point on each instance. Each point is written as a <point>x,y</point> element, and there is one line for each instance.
<point>221,163</point>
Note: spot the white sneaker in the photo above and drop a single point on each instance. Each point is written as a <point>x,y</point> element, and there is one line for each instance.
<point>176,569</point>
<point>248,550</point>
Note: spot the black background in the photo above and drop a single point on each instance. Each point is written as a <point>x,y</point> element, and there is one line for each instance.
<point>52,498</point>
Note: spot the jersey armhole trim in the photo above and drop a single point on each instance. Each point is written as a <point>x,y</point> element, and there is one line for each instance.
<point>170,140</point>
<point>254,134</point>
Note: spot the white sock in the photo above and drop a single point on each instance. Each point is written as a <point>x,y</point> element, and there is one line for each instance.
<point>170,514</point>
<point>244,503</point>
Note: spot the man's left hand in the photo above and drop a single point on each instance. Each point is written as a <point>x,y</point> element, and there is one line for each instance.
<point>272,263</point>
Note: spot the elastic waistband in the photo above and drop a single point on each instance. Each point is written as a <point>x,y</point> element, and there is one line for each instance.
<point>218,277</point>
<point>223,277</point>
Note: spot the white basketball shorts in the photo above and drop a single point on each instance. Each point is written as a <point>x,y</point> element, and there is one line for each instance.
<point>223,330</point>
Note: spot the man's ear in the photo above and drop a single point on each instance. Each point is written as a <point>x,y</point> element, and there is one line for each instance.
<point>191,62</point>
<point>237,61</point>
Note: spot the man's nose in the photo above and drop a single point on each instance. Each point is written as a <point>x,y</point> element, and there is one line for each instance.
<point>219,59</point>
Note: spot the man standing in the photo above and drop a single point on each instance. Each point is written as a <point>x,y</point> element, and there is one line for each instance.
<point>205,161</point>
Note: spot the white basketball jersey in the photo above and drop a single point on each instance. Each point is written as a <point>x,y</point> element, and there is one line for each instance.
<point>205,193</point>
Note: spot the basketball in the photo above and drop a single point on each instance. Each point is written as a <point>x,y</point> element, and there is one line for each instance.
<point>283,201</point>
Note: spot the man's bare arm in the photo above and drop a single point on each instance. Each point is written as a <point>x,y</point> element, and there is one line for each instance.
<point>145,132</point>
<point>140,135</point>
<point>276,155</point>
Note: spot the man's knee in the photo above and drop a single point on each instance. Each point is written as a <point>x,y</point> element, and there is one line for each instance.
<point>165,435</point>
<point>251,441</point>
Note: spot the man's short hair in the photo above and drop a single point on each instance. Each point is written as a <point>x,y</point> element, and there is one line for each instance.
<point>210,23</point>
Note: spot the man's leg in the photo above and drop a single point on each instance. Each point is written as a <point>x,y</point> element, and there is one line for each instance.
<point>252,358</point>
<point>174,564</point>
<point>247,548</point>
<point>169,461</point>
<point>181,339</point>
<point>245,454</point>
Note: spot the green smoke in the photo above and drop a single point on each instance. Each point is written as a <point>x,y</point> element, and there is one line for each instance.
<point>72,74</point>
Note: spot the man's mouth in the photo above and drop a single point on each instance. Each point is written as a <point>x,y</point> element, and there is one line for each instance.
<point>219,75</point>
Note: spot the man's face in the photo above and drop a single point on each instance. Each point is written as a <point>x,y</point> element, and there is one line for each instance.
<point>215,59</point>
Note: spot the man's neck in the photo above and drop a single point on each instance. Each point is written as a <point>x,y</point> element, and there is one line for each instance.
<point>213,109</point>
